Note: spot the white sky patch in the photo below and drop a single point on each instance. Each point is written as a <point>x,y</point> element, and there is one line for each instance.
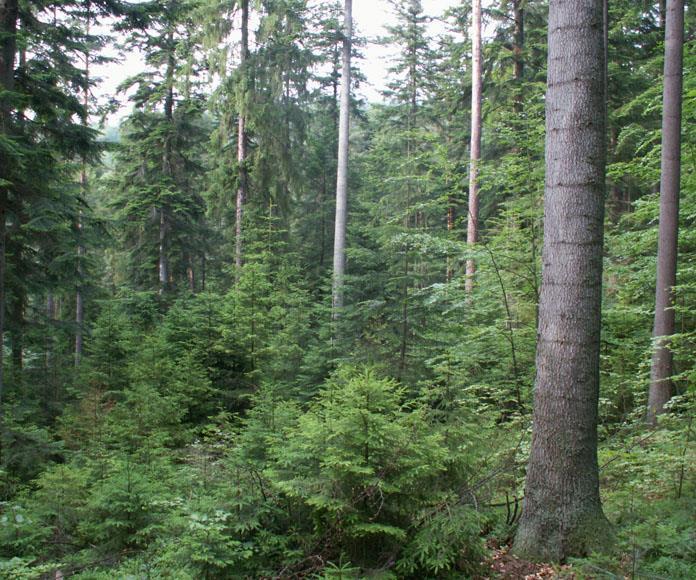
<point>370,20</point>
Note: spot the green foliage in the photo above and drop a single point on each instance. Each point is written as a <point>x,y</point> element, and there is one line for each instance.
<point>365,464</point>
<point>220,424</point>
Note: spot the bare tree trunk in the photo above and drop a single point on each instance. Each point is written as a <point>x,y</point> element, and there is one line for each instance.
<point>191,274</point>
<point>48,343</point>
<point>339,257</point>
<point>79,301</point>
<point>661,371</point>
<point>241,145</point>
<point>518,16</point>
<point>17,329</point>
<point>562,511</point>
<point>451,217</point>
<point>475,147</point>
<point>163,273</point>
<point>8,49</point>
<point>167,169</point>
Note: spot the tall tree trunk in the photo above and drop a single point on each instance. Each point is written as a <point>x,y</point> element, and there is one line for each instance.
<point>190,274</point>
<point>163,272</point>
<point>167,169</point>
<point>475,147</point>
<point>339,257</point>
<point>661,371</point>
<point>48,342</point>
<point>562,511</point>
<point>518,17</point>
<point>241,143</point>
<point>8,48</point>
<point>79,299</point>
<point>17,328</point>
<point>451,217</point>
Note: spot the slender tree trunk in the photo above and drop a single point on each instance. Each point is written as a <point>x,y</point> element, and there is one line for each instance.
<point>339,258</point>
<point>17,328</point>
<point>451,218</point>
<point>562,511</point>
<point>8,49</point>
<point>3,202</point>
<point>518,16</point>
<point>242,186</point>
<point>50,318</point>
<point>191,274</point>
<point>472,230</point>
<point>79,300</point>
<point>661,371</point>
<point>164,273</point>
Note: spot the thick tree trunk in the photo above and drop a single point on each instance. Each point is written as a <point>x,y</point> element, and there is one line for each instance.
<point>241,145</point>
<point>562,511</point>
<point>661,371</point>
<point>475,147</point>
<point>339,257</point>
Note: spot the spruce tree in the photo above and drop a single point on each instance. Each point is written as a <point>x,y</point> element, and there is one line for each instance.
<point>562,511</point>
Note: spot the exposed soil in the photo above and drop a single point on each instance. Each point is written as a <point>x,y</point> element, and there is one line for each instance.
<point>503,565</point>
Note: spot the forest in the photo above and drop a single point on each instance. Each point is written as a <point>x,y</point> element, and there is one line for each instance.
<point>255,324</point>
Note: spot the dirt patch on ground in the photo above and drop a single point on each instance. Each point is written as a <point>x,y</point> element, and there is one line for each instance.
<point>503,565</point>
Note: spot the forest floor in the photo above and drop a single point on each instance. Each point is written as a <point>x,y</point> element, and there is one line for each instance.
<point>504,565</point>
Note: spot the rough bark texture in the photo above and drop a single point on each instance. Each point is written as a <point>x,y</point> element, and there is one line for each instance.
<point>562,511</point>
<point>661,371</point>
<point>241,147</point>
<point>475,147</point>
<point>8,49</point>
<point>339,257</point>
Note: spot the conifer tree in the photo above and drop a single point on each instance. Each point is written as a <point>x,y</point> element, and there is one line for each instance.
<point>472,231</point>
<point>242,187</point>
<point>339,262</point>
<point>661,369</point>
<point>562,511</point>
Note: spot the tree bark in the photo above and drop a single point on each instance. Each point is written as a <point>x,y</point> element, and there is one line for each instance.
<point>241,144</point>
<point>451,217</point>
<point>339,257</point>
<point>562,511</point>
<point>163,270</point>
<point>8,49</point>
<point>472,230</point>
<point>661,387</point>
<point>167,169</point>
<point>518,17</point>
<point>79,300</point>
